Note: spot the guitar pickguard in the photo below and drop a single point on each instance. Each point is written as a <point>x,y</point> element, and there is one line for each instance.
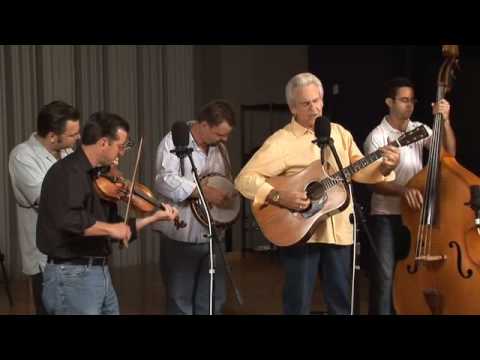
<point>316,206</point>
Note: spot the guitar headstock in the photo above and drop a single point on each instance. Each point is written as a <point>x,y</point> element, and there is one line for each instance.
<point>412,136</point>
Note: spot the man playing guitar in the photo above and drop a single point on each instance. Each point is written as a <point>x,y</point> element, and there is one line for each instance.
<point>288,152</point>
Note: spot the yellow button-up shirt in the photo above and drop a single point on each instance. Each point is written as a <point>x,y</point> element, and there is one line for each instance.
<point>289,151</point>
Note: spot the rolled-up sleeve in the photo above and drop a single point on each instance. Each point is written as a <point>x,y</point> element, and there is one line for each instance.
<point>168,181</point>
<point>267,162</point>
<point>114,217</point>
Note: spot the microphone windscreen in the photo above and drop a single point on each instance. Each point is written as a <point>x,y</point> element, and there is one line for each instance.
<point>322,128</point>
<point>180,134</point>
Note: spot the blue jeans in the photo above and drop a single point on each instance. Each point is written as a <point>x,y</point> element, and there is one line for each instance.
<point>302,263</point>
<point>181,264</point>
<point>389,239</point>
<point>79,290</point>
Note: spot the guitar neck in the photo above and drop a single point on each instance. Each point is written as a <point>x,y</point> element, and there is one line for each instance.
<point>349,171</point>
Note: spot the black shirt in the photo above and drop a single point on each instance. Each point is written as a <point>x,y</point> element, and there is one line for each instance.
<point>69,205</point>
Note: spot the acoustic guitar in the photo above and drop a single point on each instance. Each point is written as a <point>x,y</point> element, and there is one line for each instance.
<point>327,193</point>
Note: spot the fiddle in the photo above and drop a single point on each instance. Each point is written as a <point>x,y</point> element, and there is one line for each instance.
<point>112,186</point>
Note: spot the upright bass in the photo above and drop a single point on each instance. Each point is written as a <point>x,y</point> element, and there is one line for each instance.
<point>441,274</point>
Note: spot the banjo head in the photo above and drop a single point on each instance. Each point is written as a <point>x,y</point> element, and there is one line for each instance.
<point>221,216</point>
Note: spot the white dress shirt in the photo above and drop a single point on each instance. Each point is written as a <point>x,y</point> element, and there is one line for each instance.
<point>28,164</point>
<point>411,162</point>
<point>175,189</point>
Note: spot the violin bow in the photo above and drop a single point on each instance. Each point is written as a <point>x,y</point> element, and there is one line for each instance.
<point>132,185</point>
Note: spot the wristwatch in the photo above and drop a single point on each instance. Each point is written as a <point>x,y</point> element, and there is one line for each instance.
<point>275,196</point>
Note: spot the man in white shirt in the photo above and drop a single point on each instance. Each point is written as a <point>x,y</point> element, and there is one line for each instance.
<point>58,129</point>
<point>387,228</point>
<point>184,252</point>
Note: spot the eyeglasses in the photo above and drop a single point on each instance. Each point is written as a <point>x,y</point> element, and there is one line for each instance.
<point>407,100</point>
<point>128,145</point>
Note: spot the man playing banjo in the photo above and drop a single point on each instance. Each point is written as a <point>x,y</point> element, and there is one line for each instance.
<point>184,252</point>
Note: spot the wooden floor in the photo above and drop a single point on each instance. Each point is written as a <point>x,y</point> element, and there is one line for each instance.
<point>258,276</point>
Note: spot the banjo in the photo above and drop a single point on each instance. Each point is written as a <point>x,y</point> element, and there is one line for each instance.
<point>221,216</point>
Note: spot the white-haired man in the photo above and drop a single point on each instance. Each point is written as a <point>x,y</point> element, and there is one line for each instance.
<point>287,152</point>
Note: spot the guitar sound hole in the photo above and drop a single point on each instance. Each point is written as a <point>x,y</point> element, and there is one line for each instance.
<point>311,189</point>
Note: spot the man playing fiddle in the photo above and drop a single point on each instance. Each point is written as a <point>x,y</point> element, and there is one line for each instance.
<point>76,227</point>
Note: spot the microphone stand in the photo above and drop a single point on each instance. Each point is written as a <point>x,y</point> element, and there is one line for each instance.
<point>212,235</point>
<point>322,142</point>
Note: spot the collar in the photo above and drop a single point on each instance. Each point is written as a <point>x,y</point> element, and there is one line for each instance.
<point>98,171</point>
<point>83,162</point>
<point>193,143</point>
<point>299,130</point>
<point>390,128</point>
<point>38,147</point>
<point>41,150</point>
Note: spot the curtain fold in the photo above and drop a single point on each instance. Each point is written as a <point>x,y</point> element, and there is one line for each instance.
<point>150,86</point>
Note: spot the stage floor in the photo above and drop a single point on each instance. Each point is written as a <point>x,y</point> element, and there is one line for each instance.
<point>258,276</point>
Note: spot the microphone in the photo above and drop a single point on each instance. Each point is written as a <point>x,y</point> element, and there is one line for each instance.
<point>475,203</point>
<point>181,138</point>
<point>323,129</point>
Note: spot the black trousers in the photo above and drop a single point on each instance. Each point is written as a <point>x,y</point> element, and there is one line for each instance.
<point>37,287</point>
